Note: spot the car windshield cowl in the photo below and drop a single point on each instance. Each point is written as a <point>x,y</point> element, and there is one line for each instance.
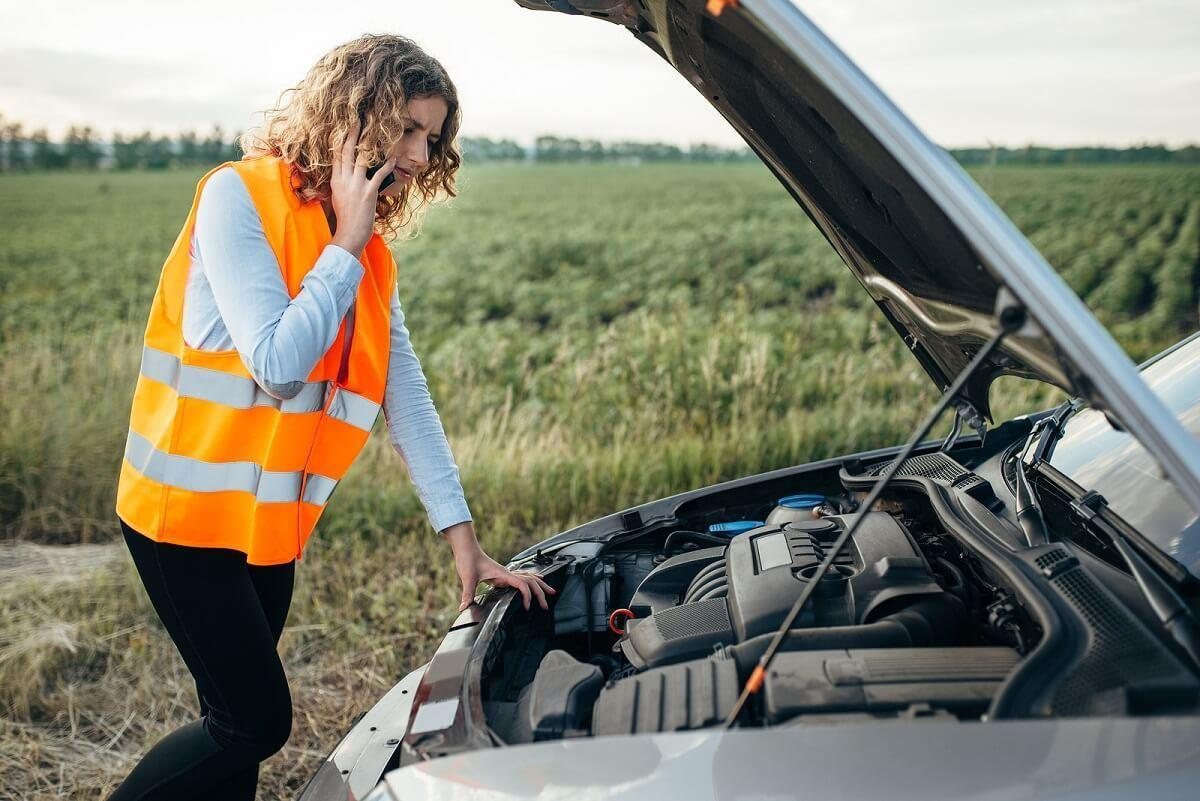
<point>1083,445</point>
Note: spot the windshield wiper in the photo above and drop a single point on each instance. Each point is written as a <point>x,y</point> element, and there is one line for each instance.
<point>1028,510</point>
<point>1174,615</point>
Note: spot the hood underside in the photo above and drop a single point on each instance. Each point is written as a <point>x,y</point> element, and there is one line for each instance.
<point>925,277</point>
<point>929,246</point>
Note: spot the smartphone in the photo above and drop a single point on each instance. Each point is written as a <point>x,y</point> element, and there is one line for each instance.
<point>388,180</point>
<point>391,177</point>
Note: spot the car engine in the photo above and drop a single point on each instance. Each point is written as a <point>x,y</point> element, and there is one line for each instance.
<point>660,635</point>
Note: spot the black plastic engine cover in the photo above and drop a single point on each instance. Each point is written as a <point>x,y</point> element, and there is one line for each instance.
<point>681,632</point>
<point>767,569</point>
<point>691,695</point>
<point>562,695</point>
<point>885,679</point>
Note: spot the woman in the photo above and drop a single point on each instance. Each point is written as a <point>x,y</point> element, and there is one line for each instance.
<point>275,337</point>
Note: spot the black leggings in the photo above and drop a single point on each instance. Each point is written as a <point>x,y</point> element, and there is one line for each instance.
<point>225,617</point>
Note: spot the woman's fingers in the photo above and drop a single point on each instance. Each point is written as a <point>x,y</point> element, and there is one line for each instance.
<point>546,588</point>
<point>383,172</point>
<point>520,586</point>
<point>537,590</point>
<point>539,587</point>
<point>358,169</point>
<point>468,595</point>
<point>529,585</point>
<point>348,147</point>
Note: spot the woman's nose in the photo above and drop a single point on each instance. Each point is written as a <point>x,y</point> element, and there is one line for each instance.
<point>419,153</point>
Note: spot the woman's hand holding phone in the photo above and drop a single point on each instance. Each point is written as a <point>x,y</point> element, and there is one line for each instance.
<point>354,195</point>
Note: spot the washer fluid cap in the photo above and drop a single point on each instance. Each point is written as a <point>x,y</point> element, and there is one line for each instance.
<point>734,527</point>
<point>801,501</point>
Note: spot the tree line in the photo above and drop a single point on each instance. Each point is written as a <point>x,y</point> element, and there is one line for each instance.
<point>82,148</point>
<point>1038,155</point>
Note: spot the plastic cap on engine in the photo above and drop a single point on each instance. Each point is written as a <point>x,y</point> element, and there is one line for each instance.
<point>732,528</point>
<point>805,501</point>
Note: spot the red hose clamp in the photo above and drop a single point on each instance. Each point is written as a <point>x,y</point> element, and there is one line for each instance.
<point>623,615</point>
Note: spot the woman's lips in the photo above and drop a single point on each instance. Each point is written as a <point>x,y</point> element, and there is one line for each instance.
<point>403,174</point>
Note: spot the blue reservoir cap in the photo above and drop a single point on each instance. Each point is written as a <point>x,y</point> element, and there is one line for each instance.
<point>801,501</point>
<point>734,527</point>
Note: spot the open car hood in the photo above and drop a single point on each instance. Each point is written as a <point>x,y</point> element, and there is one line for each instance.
<point>926,242</point>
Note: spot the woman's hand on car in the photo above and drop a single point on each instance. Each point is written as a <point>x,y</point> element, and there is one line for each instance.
<point>474,566</point>
<point>354,196</point>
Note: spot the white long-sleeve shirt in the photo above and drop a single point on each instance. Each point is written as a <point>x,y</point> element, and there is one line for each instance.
<point>236,298</point>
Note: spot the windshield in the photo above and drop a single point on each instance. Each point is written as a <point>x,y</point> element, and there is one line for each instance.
<point>1098,457</point>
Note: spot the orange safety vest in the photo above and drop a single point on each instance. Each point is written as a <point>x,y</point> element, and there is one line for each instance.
<point>213,460</point>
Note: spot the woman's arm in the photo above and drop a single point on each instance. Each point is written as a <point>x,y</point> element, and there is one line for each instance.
<point>416,430</point>
<point>417,435</point>
<point>280,338</point>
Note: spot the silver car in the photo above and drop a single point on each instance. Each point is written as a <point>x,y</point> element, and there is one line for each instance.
<point>1005,614</point>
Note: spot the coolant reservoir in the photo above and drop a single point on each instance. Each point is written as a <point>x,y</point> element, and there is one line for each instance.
<point>795,508</point>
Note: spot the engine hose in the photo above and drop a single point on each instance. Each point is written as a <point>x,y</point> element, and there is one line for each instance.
<point>695,593</point>
<point>719,591</point>
<point>700,536</point>
<point>932,620</point>
<point>961,587</point>
<point>706,572</point>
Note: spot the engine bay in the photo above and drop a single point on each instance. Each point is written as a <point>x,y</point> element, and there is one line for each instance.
<point>925,613</point>
<point>658,633</point>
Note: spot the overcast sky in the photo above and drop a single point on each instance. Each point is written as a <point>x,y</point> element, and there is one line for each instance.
<point>968,72</point>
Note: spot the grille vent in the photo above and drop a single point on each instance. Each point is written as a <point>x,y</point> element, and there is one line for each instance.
<point>939,467</point>
<point>1051,558</point>
<point>1120,652</point>
<point>693,620</point>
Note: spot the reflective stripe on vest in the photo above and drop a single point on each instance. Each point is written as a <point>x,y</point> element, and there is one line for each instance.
<point>196,475</point>
<point>239,392</point>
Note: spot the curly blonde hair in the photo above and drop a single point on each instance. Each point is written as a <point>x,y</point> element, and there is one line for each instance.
<point>372,78</point>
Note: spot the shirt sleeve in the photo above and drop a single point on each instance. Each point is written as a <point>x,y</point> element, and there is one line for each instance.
<point>280,338</point>
<point>416,431</point>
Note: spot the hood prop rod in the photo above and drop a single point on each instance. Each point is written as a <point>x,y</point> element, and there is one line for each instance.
<point>1010,318</point>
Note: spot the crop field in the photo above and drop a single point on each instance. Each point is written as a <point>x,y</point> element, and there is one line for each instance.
<point>594,337</point>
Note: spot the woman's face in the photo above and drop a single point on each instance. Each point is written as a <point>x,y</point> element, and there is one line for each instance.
<point>412,150</point>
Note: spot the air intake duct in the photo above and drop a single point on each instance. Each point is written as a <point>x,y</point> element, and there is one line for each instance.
<point>694,630</point>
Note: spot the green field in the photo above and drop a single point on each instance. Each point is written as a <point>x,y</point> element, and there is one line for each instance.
<point>594,337</point>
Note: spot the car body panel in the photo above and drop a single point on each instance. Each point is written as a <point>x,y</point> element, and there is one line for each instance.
<point>926,242</point>
<point>356,763</point>
<point>1110,759</point>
